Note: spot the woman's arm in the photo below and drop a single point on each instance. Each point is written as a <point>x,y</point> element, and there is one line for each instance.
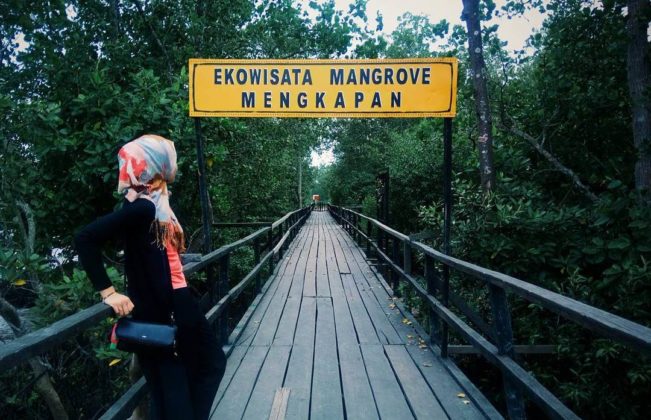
<point>89,241</point>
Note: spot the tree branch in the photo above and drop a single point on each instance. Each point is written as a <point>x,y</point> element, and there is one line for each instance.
<point>552,159</point>
<point>155,36</point>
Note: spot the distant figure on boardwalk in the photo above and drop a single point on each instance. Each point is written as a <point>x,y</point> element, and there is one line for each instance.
<point>182,386</point>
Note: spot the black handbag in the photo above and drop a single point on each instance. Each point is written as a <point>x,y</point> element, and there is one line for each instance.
<point>141,336</point>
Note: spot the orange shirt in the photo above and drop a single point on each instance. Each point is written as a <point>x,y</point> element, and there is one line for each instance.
<point>176,268</point>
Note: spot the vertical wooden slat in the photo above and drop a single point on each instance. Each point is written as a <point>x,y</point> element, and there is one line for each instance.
<point>223,289</point>
<point>504,334</point>
<point>447,222</point>
<point>395,256</point>
<point>434,324</point>
<point>256,259</point>
<point>270,246</point>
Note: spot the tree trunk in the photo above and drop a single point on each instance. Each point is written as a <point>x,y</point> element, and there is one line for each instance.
<point>27,226</point>
<point>300,182</point>
<point>43,383</point>
<point>638,68</point>
<point>482,104</point>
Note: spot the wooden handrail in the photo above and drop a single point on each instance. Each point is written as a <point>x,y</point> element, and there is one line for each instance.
<point>44,339</point>
<point>612,326</point>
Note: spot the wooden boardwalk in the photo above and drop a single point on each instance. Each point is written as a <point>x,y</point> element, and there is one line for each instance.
<point>325,342</point>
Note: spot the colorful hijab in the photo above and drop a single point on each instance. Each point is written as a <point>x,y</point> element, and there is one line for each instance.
<point>147,164</point>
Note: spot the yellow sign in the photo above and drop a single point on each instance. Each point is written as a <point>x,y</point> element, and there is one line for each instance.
<point>399,88</point>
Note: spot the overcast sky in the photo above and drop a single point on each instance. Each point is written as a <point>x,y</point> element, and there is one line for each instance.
<point>514,31</point>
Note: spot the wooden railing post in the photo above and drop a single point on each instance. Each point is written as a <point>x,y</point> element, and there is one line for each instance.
<point>430,278</point>
<point>270,247</point>
<point>281,232</point>
<point>395,257</point>
<point>223,289</point>
<point>504,335</point>
<point>256,259</point>
<point>406,257</point>
<point>445,291</point>
<point>357,226</point>
<point>369,233</point>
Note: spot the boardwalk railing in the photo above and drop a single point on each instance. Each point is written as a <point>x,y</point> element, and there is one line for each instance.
<point>271,240</point>
<point>386,243</point>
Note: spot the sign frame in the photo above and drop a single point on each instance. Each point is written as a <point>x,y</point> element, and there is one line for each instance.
<point>435,86</point>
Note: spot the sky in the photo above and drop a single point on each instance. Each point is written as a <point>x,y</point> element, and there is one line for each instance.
<point>514,31</point>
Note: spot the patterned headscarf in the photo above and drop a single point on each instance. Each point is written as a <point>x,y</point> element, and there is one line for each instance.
<point>147,164</point>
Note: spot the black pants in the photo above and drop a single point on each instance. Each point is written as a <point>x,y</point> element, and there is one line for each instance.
<point>184,386</point>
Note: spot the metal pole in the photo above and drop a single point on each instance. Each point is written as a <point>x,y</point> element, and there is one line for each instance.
<point>206,217</point>
<point>447,222</point>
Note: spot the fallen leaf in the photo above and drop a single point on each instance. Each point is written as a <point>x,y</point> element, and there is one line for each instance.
<point>461,395</point>
<point>392,306</point>
<point>114,362</point>
<point>20,282</point>
<point>466,402</point>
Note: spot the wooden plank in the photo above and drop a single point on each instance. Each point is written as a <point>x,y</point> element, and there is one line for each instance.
<point>322,284</point>
<point>299,380</point>
<point>287,324</point>
<point>346,334</point>
<point>445,386</point>
<point>339,253</point>
<point>233,363</point>
<point>364,328</point>
<point>279,406</point>
<point>358,395</point>
<point>385,331</point>
<point>309,286</point>
<point>299,371</point>
<point>254,325</point>
<point>236,397</point>
<point>289,318</point>
<point>388,395</point>
<point>327,400</point>
<point>270,378</point>
<point>308,257</point>
<point>422,400</point>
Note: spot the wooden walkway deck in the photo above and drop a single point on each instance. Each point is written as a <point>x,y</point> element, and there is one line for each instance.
<point>326,332</point>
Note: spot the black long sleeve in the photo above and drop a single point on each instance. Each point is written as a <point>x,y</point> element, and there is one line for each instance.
<point>89,240</point>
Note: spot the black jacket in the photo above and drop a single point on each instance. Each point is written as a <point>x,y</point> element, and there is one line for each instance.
<point>146,265</point>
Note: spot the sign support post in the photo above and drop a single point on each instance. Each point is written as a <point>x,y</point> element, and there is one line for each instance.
<point>447,222</point>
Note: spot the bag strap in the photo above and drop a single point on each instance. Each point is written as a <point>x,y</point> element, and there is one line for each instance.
<point>126,290</point>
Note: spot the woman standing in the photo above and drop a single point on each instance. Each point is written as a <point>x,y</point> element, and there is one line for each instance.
<point>182,386</point>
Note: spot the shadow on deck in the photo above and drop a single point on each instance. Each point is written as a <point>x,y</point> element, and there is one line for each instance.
<point>325,341</point>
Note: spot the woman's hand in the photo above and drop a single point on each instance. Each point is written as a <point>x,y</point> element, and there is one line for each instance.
<point>120,303</point>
